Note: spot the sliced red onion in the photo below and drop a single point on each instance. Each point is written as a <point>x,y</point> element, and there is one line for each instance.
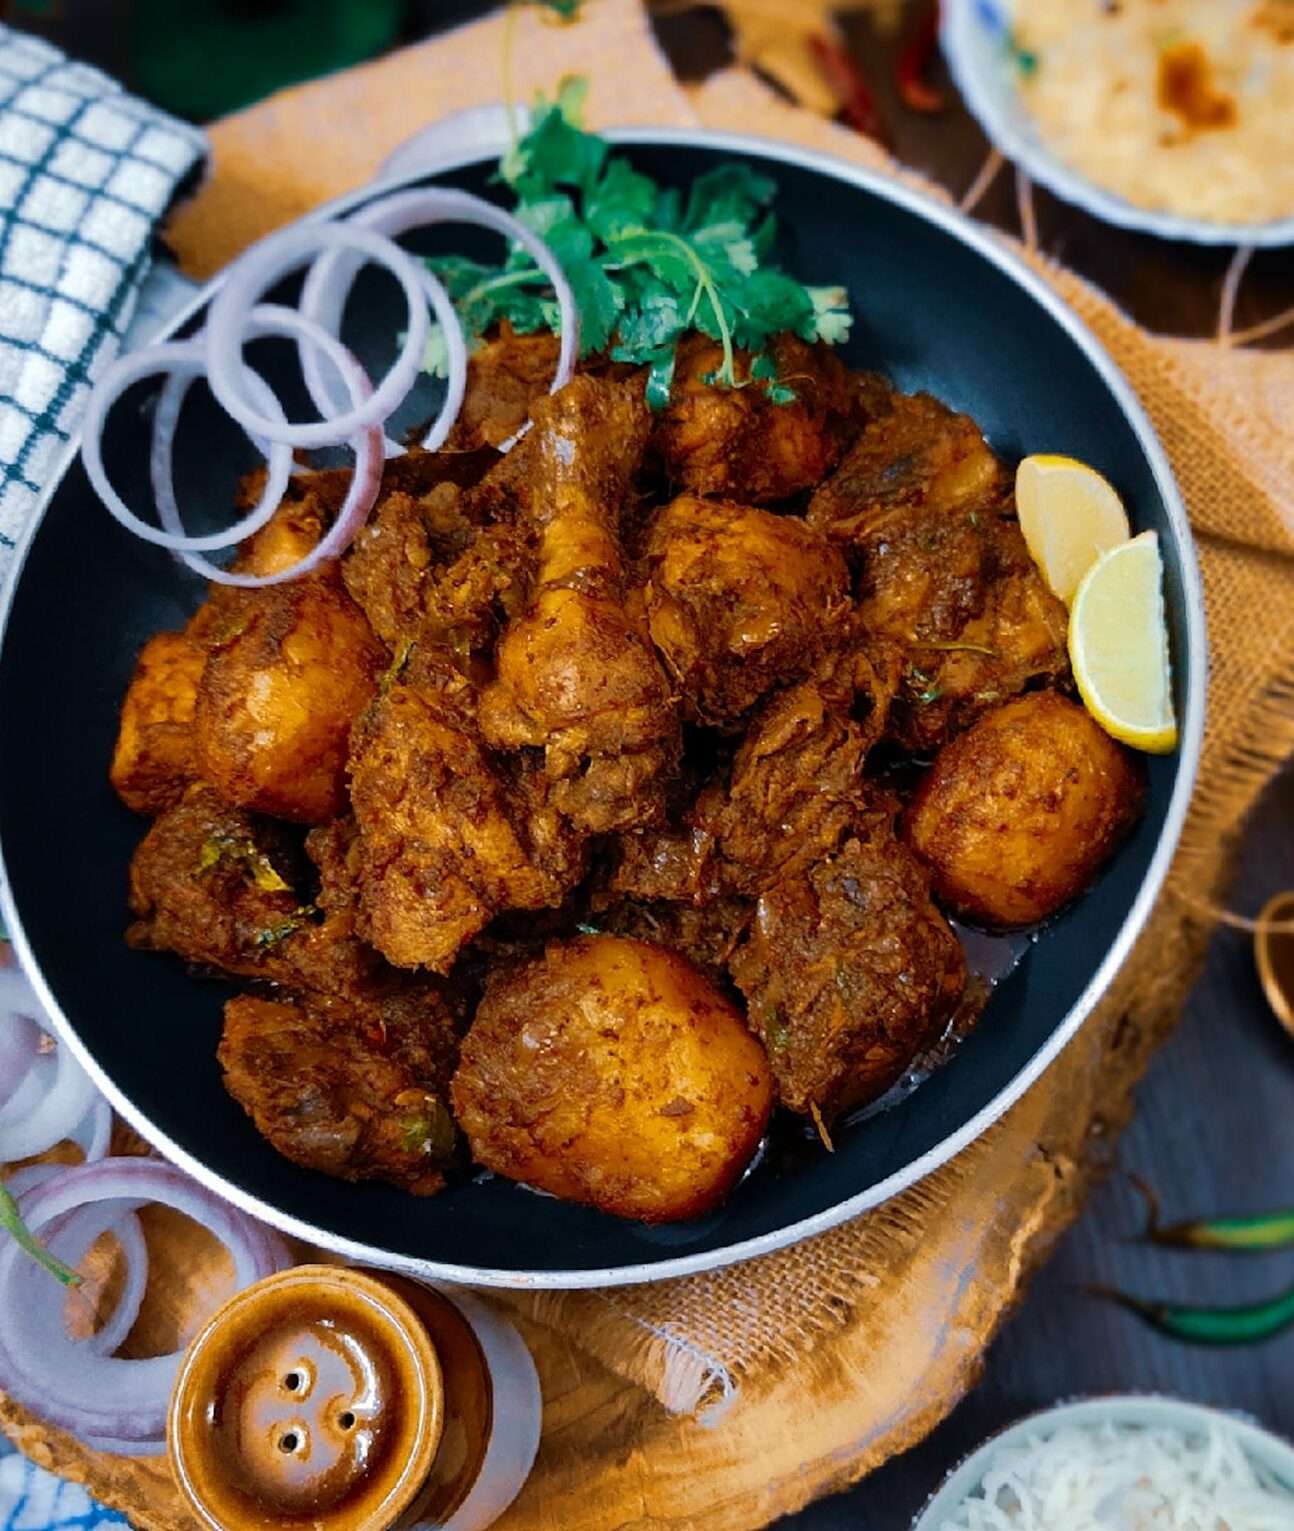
<point>181,360</point>
<point>112,1403</point>
<point>366,479</point>
<point>258,270</point>
<point>69,1239</point>
<point>20,1039</point>
<point>93,1133</point>
<point>329,280</point>
<point>54,1092</point>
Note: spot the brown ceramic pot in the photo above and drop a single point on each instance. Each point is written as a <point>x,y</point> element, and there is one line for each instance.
<point>333,1399</point>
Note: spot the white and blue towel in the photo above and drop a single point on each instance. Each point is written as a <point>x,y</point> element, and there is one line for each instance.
<point>85,173</point>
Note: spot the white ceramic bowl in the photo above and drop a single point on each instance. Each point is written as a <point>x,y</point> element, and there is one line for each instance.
<point>974,35</point>
<point>1266,1450</point>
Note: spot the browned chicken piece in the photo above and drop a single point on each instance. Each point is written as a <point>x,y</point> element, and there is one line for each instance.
<point>223,889</point>
<point>392,559</point>
<point>915,454</point>
<point>614,1073</point>
<point>290,668</point>
<point>153,759</point>
<point>217,886</point>
<point>1018,814</point>
<point>923,505</point>
<point>736,442</point>
<point>576,675</point>
<point>849,972</point>
<point>448,840</point>
<point>739,600</point>
<point>506,374</point>
<point>796,783</point>
<point>359,1093</point>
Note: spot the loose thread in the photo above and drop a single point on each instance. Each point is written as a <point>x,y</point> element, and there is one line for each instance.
<point>984,178</point>
<point>1230,291</point>
<point>1266,327</point>
<point>1024,205</point>
<point>1229,918</point>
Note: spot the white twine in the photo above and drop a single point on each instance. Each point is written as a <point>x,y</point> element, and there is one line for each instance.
<point>984,178</point>
<point>1230,291</point>
<point>1024,205</point>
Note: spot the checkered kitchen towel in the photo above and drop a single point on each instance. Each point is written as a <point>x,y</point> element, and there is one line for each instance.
<point>85,173</point>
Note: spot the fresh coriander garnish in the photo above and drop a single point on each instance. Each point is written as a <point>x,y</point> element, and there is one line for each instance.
<point>646,264</point>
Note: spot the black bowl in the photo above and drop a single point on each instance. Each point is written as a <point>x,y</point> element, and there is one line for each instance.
<point>940,306</point>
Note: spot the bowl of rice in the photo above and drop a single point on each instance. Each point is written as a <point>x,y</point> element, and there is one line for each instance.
<point>1123,1463</point>
<point>1175,117</point>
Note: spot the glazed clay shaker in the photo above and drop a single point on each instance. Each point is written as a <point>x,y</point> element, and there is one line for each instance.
<point>341,1400</point>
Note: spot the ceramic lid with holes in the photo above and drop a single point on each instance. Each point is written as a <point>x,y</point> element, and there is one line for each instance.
<point>975,35</point>
<point>313,1398</point>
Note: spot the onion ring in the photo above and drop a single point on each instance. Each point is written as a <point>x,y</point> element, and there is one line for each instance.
<point>55,1376</point>
<point>54,1093</point>
<point>366,479</point>
<point>323,297</point>
<point>259,269</point>
<point>19,1045</point>
<point>182,358</point>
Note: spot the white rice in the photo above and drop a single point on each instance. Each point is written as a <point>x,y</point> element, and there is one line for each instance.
<point>1094,95</point>
<point>1124,1478</point>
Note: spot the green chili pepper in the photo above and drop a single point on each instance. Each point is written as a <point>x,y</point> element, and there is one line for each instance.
<point>1209,1326</point>
<point>1269,1230</point>
<point>11,1221</point>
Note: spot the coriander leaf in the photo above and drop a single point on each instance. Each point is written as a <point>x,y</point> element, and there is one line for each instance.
<point>763,368</point>
<point>656,320</point>
<point>832,320</point>
<point>553,153</point>
<point>660,378</point>
<point>732,193</point>
<point>780,393</point>
<point>599,301</point>
<point>435,356</point>
<point>572,89</point>
<point>621,200</point>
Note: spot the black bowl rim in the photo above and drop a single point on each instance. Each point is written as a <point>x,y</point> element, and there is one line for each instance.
<point>987,246</point>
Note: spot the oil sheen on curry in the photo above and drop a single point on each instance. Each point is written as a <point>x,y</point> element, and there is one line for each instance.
<point>555,829</point>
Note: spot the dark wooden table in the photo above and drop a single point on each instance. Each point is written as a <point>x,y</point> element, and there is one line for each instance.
<point>1212,1130</point>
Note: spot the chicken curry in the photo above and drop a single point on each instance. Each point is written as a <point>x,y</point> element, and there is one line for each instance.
<point>616,790</point>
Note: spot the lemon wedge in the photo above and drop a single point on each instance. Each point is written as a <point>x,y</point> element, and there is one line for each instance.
<point>1069,515</point>
<point>1118,646</point>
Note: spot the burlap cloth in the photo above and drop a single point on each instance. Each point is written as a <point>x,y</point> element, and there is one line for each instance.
<point>881,1323</point>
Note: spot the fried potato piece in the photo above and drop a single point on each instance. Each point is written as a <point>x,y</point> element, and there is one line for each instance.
<point>576,675</point>
<point>739,600</point>
<point>291,666</point>
<point>736,442</point>
<point>153,760</point>
<point>358,1092</point>
<point>849,972</point>
<point>1018,814</point>
<point>447,838</point>
<point>612,1072</point>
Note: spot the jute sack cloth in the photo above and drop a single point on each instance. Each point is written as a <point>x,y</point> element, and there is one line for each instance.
<point>861,1340</point>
